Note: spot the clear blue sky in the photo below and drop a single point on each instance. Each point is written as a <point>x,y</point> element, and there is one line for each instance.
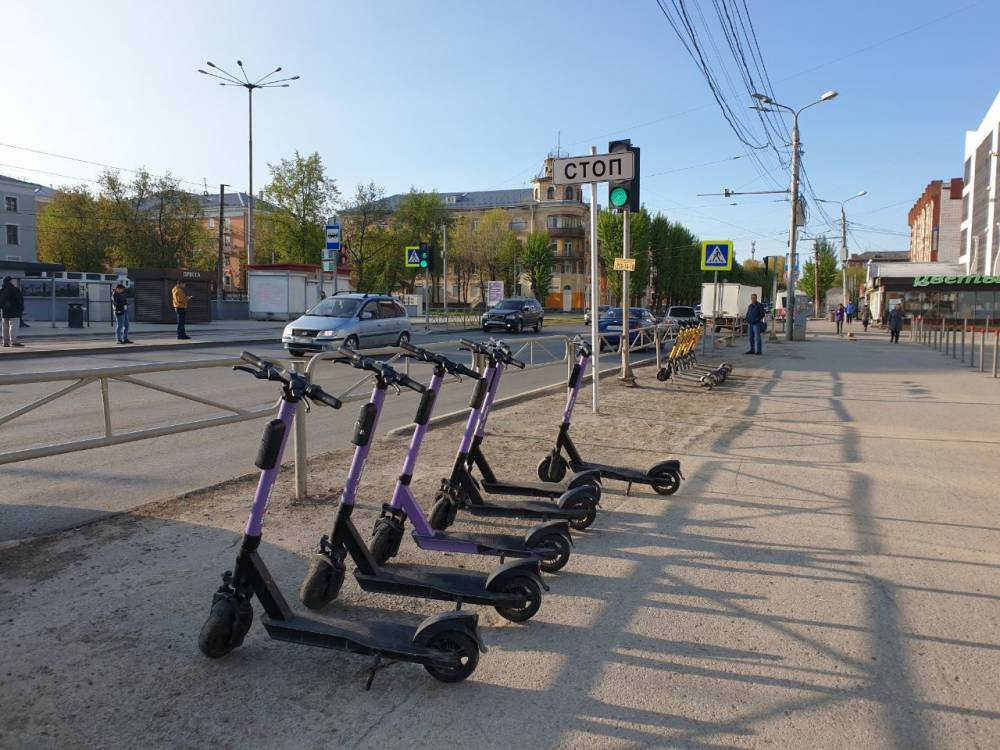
<point>460,95</point>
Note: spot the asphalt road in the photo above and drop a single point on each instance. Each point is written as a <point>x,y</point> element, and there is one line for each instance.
<point>49,494</point>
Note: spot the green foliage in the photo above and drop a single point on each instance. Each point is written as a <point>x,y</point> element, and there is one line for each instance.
<point>74,231</point>
<point>609,233</point>
<point>365,240</point>
<point>675,254</point>
<point>420,218</point>
<point>829,275</point>
<point>537,259</point>
<point>510,261</point>
<point>303,196</point>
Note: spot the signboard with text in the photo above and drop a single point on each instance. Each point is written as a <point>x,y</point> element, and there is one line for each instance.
<point>624,264</point>
<point>597,168</point>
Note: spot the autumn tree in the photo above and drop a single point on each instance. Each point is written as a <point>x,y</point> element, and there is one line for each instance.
<point>75,231</point>
<point>538,259</point>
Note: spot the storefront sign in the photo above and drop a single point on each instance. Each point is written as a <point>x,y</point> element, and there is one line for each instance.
<point>954,280</point>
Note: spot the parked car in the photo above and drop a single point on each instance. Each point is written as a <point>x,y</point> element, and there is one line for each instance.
<point>610,325</point>
<point>602,310</point>
<point>514,314</point>
<point>360,321</point>
<point>680,315</point>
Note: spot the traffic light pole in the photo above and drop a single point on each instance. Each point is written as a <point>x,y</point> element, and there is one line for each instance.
<point>595,336</point>
<point>626,377</point>
<point>427,307</point>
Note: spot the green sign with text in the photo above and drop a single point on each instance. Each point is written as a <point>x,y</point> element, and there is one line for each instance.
<point>950,280</point>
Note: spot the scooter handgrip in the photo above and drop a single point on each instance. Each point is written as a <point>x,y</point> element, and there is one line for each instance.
<point>515,362</point>
<point>254,360</point>
<point>407,381</point>
<point>467,371</point>
<point>409,348</point>
<point>318,395</point>
<point>244,368</point>
<point>466,344</point>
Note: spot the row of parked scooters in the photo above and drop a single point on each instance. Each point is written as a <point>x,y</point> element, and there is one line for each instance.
<point>448,644</point>
<point>683,357</point>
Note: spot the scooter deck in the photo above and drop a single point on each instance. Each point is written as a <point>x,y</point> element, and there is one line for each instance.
<point>368,637</point>
<point>620,473</point>
<point>486,544</point>
<point>526,509</point>
<point>532,489</point>
<point>433,582</point>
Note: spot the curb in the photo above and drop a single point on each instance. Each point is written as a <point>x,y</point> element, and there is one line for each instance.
<point>116,348</point>
<point>517,398</point>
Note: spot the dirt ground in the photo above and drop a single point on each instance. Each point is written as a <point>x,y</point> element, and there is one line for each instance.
<point>762,605</point>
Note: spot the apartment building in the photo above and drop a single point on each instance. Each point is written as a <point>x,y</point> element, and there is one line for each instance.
<point>980,240</point>
<point>935,223</point>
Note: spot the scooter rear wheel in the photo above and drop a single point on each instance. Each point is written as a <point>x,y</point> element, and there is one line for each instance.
<point>665,481</point>
<point>591,506</point>
<point>552,469</point>
<point>463,646</point>
<point>381,546</point>
<point>559,556</point>
<point>442,514</point>
<point>530,590</point>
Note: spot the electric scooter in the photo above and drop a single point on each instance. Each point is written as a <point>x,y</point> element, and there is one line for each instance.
<point>514,589</point>
<point>447,644</point>
<point>548,542</point>
<point>664,477</point>
<point>461,491</point>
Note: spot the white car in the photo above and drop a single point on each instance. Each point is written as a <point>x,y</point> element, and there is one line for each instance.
<point>359,321</point>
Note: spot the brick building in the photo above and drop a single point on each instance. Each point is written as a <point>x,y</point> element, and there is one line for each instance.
<point>935,223</point>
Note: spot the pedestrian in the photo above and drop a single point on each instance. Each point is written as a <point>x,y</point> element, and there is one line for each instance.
<point>896,318</point>
<point>851,311</point>
<point>866,318</point>
<point>119,302</point>
<point>11,310</point>
<point>838,316</point>
<point>180,299</point>
<point>755,321</point>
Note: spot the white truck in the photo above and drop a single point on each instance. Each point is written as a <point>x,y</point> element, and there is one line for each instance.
<point>732,300</point>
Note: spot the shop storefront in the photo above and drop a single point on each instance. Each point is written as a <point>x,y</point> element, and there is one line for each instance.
<point>973,298</point>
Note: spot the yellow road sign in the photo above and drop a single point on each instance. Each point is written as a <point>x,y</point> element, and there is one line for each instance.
<point>624,264</point>
<point>717,255</point>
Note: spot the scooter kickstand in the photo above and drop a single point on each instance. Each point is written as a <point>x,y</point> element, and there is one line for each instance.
<point>376,666</point>
<point>458,603</point>
<point>628,489</point>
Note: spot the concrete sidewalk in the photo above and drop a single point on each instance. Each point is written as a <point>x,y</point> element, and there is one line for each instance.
<point>826,577</point>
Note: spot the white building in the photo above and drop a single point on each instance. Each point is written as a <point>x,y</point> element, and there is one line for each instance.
<point>980,236</point>
<point>18,214</point>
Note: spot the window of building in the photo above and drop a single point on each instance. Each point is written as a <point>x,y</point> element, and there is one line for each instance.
<point>211,222</point>
<point>968,170</point>
<point>227,224</point>
<point>519,225</point>
<point>550,193</point>
<point>553,248</point>
<point>568,248</point>
<point>10,203</point>
<point>13,234</point>
<point>563,222</point>
<point>569,193</point>
<point>475,224</point>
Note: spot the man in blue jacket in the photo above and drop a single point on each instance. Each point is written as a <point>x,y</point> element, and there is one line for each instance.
<point>755,321</point>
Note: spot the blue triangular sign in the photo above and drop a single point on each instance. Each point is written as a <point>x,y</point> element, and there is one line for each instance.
<point>717,256</point>
<point>413,258</point>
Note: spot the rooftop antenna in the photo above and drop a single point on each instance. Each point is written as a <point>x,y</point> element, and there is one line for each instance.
<point>558,144</point>
<point>753,248</point>
<point>205,182</point>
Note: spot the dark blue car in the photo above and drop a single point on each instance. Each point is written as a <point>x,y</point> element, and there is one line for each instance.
<point>610,326</point>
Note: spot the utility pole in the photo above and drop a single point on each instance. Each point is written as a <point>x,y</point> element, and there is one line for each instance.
<point>627,377</point>
<point>816,275</point>
<point>843,253</point>
<point>792,232</point>
<point>595,336</point>
<point>220,278</point>
<point>444,269</point>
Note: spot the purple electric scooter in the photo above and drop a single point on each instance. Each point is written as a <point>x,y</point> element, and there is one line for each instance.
<point>575,503</point>
<point>548,542</point>
<point>447,644</point>
<point>514,589</point>
<point>664,477</point>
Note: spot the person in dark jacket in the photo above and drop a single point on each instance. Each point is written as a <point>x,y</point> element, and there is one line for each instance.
<point>896,318</point>
<point>119,302</point>
<point>755,319</point>
<point>11,310</point>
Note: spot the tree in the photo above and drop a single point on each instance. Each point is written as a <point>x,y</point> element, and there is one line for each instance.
<point>489,240</point>
<point>461,256</point>
<point>510,262</point>
<point>73,230</point>
<point>153,223</point>
<point>420,218</point>
<point>829,276</point>
<point>362,240</point>
<point>538,259</point>
<point>303,197</point>
<point>609,233</point>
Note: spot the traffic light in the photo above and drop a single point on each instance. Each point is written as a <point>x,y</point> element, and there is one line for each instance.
<point>624,194</point>
<point>426,257</point>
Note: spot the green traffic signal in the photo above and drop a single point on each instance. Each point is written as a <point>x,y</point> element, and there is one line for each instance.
<point>618,197</point>
<point>423,264</point>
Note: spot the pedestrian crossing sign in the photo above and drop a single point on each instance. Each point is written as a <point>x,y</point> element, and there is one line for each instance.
<point>413,256</point>
<point>717,255</point>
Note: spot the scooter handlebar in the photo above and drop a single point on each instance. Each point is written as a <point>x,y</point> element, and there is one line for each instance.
<point>317,394</point>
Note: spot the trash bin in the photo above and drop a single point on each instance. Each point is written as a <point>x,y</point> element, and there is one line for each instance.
<point>75,315</point>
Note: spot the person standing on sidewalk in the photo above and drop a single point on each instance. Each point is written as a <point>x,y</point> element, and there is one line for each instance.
<point>11,310</point>
<point>838,316</point>
<point>866,318</point>
<point>851,310</point>
<point>119,302</point>
<point>896,318</point>
<point>180,299</point>
<point>755,321</point>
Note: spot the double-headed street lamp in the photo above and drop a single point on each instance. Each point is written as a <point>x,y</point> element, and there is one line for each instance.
<point>843,239</point>
<point>228,79</point>
<point>769,103</point>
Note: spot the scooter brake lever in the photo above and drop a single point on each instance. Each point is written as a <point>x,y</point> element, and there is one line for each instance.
<point>396,388</point>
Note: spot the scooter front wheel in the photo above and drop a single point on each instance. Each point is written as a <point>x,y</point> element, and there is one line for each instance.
<point>582,523</point>
<point>558,555</point>
<point>552,468</point>
<point>465,649</point>
<point>532,593</point>
<point>665,481</point>
<point>322,584</point>
<point>442,513</point>
<point>225,628</point>
<point>382,543</point>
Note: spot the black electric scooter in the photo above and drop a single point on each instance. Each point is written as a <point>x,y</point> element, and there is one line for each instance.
<point>664,477</point>
<point>447,644</point>
<point>461,491</point>
<point>514,589</point>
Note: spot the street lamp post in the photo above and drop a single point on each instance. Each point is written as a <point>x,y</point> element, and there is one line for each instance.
<point>228,79</point>
<point>790,292</point>
<point>843,241</point>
